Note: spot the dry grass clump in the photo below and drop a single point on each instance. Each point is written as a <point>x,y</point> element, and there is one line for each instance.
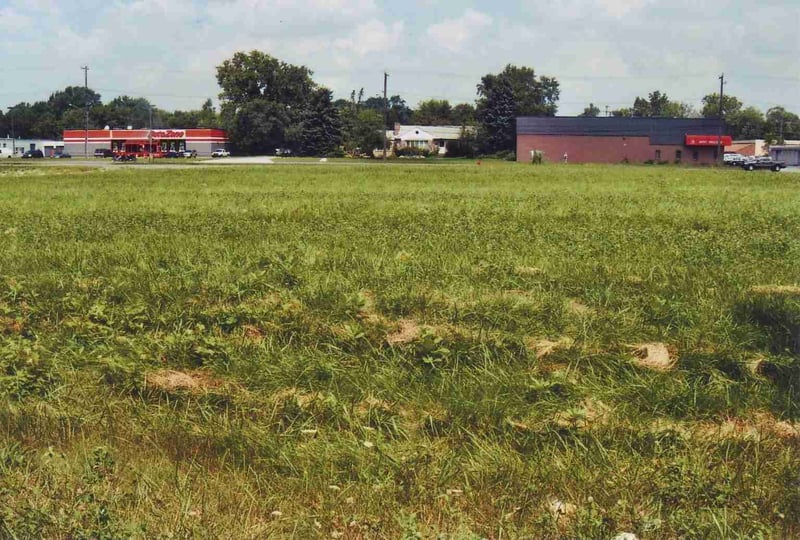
<point>542,348</point>
<point>10,326</point>
<point>790,290</point>
<point>194,382</point>
<point>759,426</point>
<point>579,308</point>
<point>408,330</point>
<point>653,356</point>
<point>528,271</point>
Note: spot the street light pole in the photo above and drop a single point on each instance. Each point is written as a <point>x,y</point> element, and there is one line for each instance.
<point>13,139</point>
<point>86,112</point>
<point>150,136</point>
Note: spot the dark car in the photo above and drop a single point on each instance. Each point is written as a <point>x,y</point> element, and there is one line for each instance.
<point>103,153</point>
<point>33,154</point>
<point>763,163</point>
<point>124,157</point>
<point>173,154</point>
<point>63,155</point>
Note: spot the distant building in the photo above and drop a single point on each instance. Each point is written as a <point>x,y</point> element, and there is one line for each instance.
<point>143,142</point>
<point>620,139</point>
<point>753,147</point>
<point>431,138</point>
<point>790,153</point>
<point>19,146</point>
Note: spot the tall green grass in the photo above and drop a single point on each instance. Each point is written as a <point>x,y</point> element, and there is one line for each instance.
<point>280,294</point>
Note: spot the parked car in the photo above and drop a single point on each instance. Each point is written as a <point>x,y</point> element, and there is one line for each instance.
<point>733,159</point>
<point>121,157</point>
<point>220,152</point>
<point>103,153</point>
<point>63,155</point>
<point>763,163</point>
<point>6,153</point>
<point>173,154</point>
<point>189,153</point>
<point>33,154</point>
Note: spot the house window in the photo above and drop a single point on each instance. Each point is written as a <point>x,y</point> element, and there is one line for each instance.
<point>695,155</point>
<point>678,155</point>
<point>658,155</point>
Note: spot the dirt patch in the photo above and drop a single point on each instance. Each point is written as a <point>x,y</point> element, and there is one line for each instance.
<point>368,313</point>
<point>653,356</point>
<point>790,290</point>
<point>544,347</point>
<point>195,382</point>
<point>10,326</point>
<point>762,425</point>
<point>578,308</point>
<point>528,271</point>
<point>407,332</point>
<point>563,513</point>
<point>303,399</point>
<point>253,333</point>
<point>756,365</point>
<point>372,403</point>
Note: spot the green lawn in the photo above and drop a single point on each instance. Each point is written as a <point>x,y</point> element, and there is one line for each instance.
<point>396,350</point>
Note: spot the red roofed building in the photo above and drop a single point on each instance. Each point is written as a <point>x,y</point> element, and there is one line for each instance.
<point>143,142</point>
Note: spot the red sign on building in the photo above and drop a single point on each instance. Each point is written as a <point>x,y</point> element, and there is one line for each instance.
<point>708,140</point>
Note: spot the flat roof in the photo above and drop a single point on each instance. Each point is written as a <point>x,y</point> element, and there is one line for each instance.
<point>659,130</point>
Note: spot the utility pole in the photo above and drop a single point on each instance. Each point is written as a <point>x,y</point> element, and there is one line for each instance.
<point>606,111</point>
<point>385,112</point>
<point>721,120</point>
<point>13,140</point>
<point>86,112</point>
<point>150,135</point>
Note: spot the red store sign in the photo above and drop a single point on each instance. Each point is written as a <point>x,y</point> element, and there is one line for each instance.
<point>168,134</point>
<point>708,140</point>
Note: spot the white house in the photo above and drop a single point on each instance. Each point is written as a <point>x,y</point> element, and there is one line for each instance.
<point>431,138</point>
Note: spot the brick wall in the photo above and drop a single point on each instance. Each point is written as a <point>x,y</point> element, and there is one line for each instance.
<point>589,149</point>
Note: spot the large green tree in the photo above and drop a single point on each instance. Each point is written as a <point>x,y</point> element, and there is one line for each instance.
<point>463,114</point>
<point>515,91</point>
<point>781,125</point>
<point>397,111</point>
<point>264,100</point>
<point>125,111</point>
<point>321,129</point>
<point>746,124</point>
<point>730,105</point>
<point>433,112</point>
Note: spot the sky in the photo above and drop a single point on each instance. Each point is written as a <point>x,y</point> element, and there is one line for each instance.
<point>602,51</point>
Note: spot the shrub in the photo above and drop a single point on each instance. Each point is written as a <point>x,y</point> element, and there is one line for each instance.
<point>409,151</point>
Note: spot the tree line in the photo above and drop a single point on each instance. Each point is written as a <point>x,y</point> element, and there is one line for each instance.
<point>267,104</point>
<point>66,109</point>
<point>743,123</point>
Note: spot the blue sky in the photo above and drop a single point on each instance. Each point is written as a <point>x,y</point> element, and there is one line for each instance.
<point>602,51</point>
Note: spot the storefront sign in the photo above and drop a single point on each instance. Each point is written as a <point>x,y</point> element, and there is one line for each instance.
<point>708,140</point>
<point>168,134</point>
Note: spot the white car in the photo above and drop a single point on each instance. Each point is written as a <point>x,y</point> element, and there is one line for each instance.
<point>220,152</point>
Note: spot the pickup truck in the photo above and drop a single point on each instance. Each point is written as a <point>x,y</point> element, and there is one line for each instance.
<point>763,163</point>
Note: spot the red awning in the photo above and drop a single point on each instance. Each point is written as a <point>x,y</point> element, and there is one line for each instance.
<point>708,140</point>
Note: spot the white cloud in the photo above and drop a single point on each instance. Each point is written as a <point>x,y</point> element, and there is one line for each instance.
<point>620,8</point>
<point>455,34</point>
<point>371,37</point>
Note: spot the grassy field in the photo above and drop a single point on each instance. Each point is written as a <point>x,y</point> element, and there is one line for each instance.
<point>399,351</point>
